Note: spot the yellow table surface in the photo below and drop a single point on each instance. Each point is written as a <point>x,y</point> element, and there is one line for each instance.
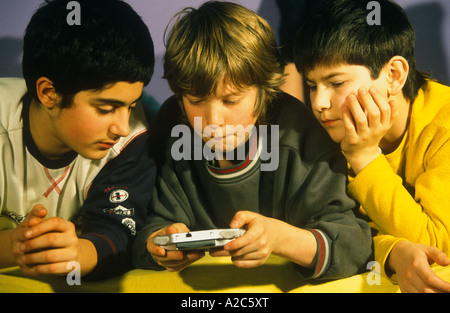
<point>215,275</point>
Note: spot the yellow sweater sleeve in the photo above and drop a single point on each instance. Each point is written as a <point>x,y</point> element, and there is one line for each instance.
<point>383,245</point>
<point>417,213</point>
<point>407,193</point>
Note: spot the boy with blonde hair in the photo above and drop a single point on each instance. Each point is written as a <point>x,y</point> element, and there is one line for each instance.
<point>223,66</point>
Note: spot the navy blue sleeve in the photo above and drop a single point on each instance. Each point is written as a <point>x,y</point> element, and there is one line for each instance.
<point>116,207</point>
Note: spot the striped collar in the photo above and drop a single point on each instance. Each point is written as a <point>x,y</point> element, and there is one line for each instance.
<point>252,159</point>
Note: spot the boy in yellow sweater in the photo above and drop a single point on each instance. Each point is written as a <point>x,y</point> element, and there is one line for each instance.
<point>392,123</point>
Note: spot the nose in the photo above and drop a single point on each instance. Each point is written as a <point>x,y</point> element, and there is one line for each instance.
<point>320,101</point>
<point>120,126</point>
<point>215,115</point>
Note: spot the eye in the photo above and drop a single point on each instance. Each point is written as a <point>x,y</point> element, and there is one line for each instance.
<point>312,87</point>
<point>195,101</point>
<point>337,84</point>
<point>105,112</point>
<point>231,102</point>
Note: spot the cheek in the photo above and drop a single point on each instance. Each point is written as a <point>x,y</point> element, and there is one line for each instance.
<point>382,89</point>
<point>81,125</point>
<point>244,115</point>
<point>191,114</point>
<point>339,99</point>
<point>241,119</point>
<point>336,103</point>
<point>251,121</point>
<point>339,104</point>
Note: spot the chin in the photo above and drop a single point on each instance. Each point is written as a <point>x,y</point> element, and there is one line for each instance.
<point>337,138</point>
<point>97,155</point>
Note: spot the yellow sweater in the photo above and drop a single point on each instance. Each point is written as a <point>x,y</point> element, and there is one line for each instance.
<point>407,193</point>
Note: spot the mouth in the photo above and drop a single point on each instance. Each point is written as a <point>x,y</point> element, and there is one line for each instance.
<point>225,143</point>
<point>107,145</point>
<point>328,123</point>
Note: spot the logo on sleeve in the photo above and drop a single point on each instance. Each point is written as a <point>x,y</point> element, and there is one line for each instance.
<point>117,196</point>
<point>120,210</point>
<point>130,224</point>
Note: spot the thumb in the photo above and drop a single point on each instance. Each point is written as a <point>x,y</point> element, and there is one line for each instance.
<point>171,229</point>
<point>37,214</point>
<point>242,218</point>
<point>176,228</point>
<point>39,210</point>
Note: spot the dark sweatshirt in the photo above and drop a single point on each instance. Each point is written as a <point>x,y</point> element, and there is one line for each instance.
<point>307,189</point>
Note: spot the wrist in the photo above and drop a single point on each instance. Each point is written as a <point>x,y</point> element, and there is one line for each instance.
<point>7,258</point>
<point>298,246</point>
<point>394,257</point>
<point>87,256</point>
<point>360,160</point>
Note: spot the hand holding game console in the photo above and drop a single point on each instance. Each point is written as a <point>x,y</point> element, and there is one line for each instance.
<point>198,240</point>
<point>259,242</point>
<point>265,236</point>
<point>172,260</point>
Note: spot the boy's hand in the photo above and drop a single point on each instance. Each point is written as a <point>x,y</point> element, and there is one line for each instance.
<point>258,242</point>
<point>18,235</point>
<point>48,245</point>
<point>367,118</point>
<point>173,261</point>
<point>411,262</point>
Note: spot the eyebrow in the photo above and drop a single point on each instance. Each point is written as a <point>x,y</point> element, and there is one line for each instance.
<point>329,76</point>
<point>231,94</point>
<point>112,101</point>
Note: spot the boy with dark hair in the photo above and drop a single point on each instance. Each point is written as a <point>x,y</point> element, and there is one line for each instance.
<point>392,123</point>
<point>72,135</point>
<point>223,65</point>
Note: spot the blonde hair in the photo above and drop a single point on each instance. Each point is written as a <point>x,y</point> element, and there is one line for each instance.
<point>222,40</point>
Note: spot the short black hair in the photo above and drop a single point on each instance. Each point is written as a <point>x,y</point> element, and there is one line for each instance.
<point>111,44</point>
<point>339,32</point>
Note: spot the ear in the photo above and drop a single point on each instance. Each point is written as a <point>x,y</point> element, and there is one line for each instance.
<point>397,70</point>
<point>46,92</point>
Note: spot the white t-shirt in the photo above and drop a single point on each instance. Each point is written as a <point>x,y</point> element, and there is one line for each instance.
<point>27,178</point>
